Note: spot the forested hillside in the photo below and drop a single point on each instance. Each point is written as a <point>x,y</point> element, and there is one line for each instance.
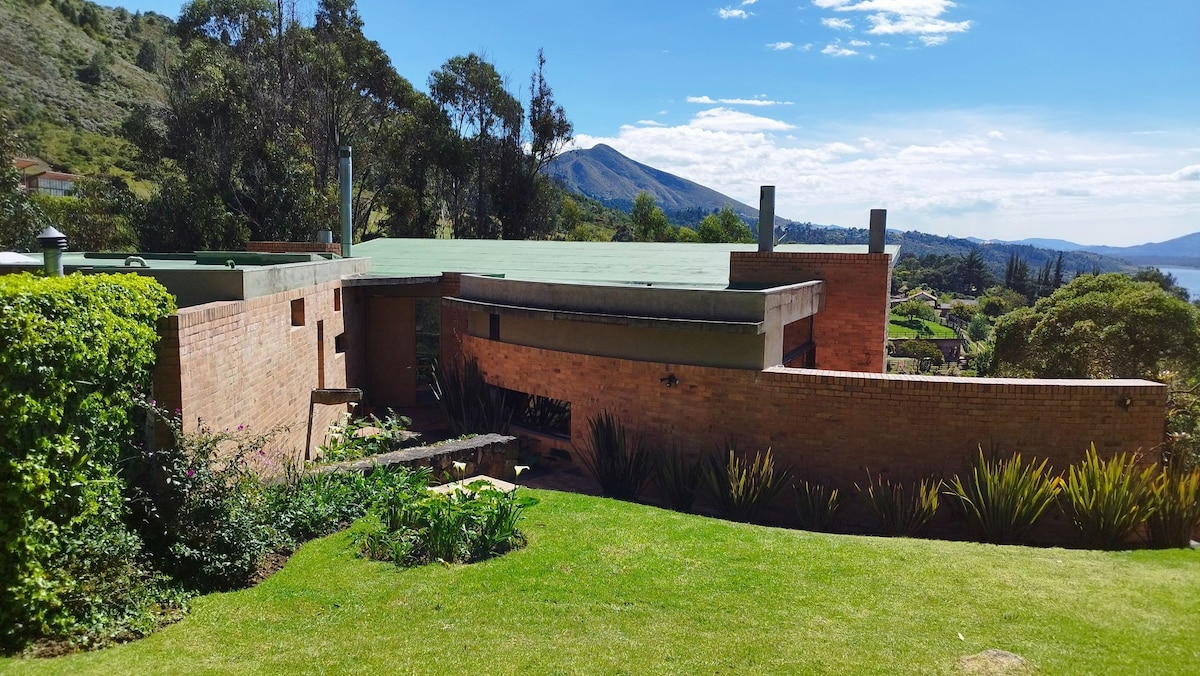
<point>231,117</point>
<point>996,256</point>
<point>70,73</point>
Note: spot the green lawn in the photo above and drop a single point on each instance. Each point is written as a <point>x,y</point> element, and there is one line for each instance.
<point>613,587</point>
<point>903,327</point>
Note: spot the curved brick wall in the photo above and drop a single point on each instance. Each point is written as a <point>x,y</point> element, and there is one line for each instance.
<point>832,425</point>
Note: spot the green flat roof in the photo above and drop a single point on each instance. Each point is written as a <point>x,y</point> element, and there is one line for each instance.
<point>200,260</point>
<point>665,264</point>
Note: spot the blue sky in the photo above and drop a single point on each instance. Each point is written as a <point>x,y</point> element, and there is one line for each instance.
<point>996,119</point>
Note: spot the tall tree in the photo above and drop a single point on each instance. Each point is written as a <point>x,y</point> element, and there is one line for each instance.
<point>649,222</point>
<point>1099,326</point>
<point>973,273</point>
<point>498,189</point>
<point>20,220</point>
<point>724,226</point>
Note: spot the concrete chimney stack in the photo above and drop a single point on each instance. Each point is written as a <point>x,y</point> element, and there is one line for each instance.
<point>878,231</point>
<point>766,218</point>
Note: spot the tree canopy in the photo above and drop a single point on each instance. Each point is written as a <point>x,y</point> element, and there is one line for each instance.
<point>1099,326</point>
<point>724,226</point>
<point>261,100</point>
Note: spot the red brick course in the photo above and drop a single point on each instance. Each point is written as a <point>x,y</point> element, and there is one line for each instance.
<point>293,247</point>
<point>851,331</point>
<point>832,426</point>
<point>235,363</point>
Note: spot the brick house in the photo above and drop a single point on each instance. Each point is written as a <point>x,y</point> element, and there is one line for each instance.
<point>689,344</point>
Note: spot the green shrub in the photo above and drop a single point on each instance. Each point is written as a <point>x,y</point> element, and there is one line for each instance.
<point>346,439</point>
<point>75,352</point>
<point>313,504</point>
<point>470,404</point>
<point>743,488</point>
<point>900,512</point>
<point>1174,507</point>
<point>919,349</point>
<point>616,460</point>
<point>978,329</point>
<point>816,506</point>
<point>203,508</point>
<point>678,478</point>
<point>1108,499</point>
<point>410,525</point>
<point>1003,499</point>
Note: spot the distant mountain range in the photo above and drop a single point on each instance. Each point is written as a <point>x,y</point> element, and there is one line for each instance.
<point>614,180</point>
<point>1183,251</point>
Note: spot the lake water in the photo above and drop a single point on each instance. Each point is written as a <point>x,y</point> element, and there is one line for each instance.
<point>1188,278</point>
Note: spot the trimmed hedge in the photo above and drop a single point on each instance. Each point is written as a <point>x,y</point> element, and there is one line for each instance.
<point>76,353</point>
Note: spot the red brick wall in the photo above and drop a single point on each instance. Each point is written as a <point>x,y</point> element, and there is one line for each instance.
<point>851,332</point>
<point>293,247</point>
<point>244,363</point>
<point>453,320</point>
<point>832,426</point>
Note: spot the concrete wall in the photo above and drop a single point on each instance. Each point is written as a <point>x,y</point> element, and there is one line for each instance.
<point>709,348</point>
<point>851,330</point>
<point>832,426</point>
<point>235,363</point>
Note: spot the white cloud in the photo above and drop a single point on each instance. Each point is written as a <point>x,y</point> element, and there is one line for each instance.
<point>837,24</point>
<point>730,13</point>
<point>759,100</point>
<point>882,24</point>
<point>859,43</point>
<point>806,47</point>
<point>748,2</point>
<point>941,172</point>
<point>651,123</point>
<point>726,120</point>
<point>920,18</point>
<point>780,46</point>
<point>1189,173</point>
<point>837,50</point>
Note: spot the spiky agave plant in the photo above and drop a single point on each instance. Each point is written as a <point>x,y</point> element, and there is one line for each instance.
<point>816,506</point>
<point>1175,498</point>
<point>1108,499</point>
<point>678,478</point>
<point>615,459</point>
<point>744,488</point>
<point>469,403</point>
<point>900,512</point>
<point>1004,498</point>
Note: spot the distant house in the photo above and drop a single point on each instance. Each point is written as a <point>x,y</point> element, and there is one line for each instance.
<point>38,179</point>
<point>925,297</point>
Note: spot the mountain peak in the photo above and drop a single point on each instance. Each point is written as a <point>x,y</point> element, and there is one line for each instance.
<point>604,174</point>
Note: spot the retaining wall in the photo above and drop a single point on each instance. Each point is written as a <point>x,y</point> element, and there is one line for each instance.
<point>833,426</point>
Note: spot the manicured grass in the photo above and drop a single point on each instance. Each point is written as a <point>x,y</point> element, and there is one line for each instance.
<point>612,587</point>
<point>903,327</point>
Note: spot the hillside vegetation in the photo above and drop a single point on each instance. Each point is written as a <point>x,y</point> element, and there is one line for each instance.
<point>70,73</point>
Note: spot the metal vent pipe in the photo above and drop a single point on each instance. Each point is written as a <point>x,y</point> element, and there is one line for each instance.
<point>53,244</point>
<point>345,173</point>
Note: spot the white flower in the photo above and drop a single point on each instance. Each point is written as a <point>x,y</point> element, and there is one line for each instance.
<point>520,468</point>
<point>460,466</point>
